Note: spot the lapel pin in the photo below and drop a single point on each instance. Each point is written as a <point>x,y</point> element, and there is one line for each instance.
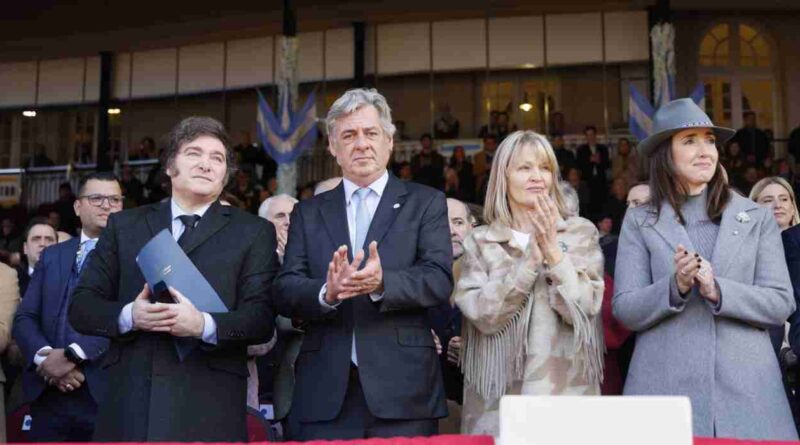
<point>396,205</point>
<point>743,217</point>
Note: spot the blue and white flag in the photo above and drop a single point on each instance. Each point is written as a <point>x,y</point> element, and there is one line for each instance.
<point>640,114</point>
<point>698,95</point>
<point>285,137</point>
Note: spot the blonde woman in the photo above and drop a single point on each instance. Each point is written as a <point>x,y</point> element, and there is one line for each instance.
<point>530,289</point>
<point>774,192</point>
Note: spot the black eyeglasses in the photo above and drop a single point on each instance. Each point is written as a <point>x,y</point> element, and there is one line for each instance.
<point>97,200</point>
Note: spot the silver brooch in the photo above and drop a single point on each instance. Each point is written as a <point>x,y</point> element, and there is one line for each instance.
<point>743,217</point>
<point>563,246</point>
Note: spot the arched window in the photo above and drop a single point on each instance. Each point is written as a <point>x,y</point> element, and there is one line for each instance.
<point>735,64</point>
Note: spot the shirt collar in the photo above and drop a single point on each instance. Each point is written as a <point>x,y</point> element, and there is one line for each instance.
<point>177,211</point>
<point>85,237</point>
<point>378,186</point>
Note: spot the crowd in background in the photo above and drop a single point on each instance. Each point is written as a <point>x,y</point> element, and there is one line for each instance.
<point>602,181</point>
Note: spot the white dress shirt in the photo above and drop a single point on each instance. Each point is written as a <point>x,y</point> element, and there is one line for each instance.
<point>372,201</point>
<point>125,320</point>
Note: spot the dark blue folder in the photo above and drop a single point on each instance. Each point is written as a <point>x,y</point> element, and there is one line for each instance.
<point>163,260</point>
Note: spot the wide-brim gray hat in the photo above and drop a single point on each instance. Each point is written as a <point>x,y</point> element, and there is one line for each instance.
<point>676,116</point>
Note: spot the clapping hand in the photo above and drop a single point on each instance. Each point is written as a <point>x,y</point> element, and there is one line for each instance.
<point>339,269</point>
<point>367,280</point>
<point>686,268</point>
<point>707,282</point>
<point>691,269</point>
<point>543,218</point>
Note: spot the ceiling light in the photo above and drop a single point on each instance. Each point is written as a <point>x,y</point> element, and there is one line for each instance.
<point>29,113</point>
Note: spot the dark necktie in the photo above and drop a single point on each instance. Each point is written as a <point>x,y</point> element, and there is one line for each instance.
<point>189,222</point>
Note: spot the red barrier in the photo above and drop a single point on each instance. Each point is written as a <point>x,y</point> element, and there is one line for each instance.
<point>463,440</point>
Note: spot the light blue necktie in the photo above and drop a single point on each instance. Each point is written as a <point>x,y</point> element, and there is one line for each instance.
<point>88,246</point>
<point>362,218</point>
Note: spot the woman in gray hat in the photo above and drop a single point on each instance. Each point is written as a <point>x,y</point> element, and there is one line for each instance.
<point>700,276</point>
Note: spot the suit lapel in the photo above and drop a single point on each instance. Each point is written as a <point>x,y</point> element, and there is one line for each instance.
<point>389,206</point>
<point>333,213</point>
<point>217,216</point>
<point>67,258</point>
<point>737,222</point>
<point>160,217</point>
<point>670,229</point>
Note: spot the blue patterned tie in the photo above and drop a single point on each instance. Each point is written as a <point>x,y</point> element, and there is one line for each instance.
<point>88,246</point>
<point>362,218</point>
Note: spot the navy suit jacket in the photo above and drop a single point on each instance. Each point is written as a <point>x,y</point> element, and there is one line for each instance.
<point>36,321</point>
<point>791,247</point>
<point>398,365</point>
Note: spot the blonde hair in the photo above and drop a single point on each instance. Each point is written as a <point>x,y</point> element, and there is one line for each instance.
<point>762,184</point>
<point>496,206</point>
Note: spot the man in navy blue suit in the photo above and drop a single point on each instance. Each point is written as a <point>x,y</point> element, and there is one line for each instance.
<point>363,263</point>
<point>62,379</point>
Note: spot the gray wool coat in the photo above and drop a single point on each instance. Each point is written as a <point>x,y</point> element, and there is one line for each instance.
<point>721,357</point>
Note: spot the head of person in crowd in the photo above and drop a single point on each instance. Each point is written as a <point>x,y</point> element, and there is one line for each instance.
<point>277,210</point>
<point>242,179</point>
<point>8,227</point>
<point>404,172</point>
<point>502,119</point>
<point>571,199</point>
<point>774,192</point>
<point>604,225</point>
<point>623,147</point>
<point>306,191</point>
<point>426,142</point>
<point>327,184</point>
<point>272,186</point>
<point>65,192</point>
<point>591,134</point>
<point>38,235</point>
<point>574,177</point>
<point>524,170</point>
<point>54,218</point>
<point>490,143</point>
<point>461,224</point>
<point>733,150</point>
<point>684,160</point>
<point>361,135</point>
<point>199,161</point>
<point>750,175</point>
<point>147,146</point>
<point>494,118</point>
<point>619,189</point>
<point>783,168</point>
<point>99,195</point>
<point>749,119</point>
<point>638,195</point>
<point>459,155</point>
<point>558,142</point>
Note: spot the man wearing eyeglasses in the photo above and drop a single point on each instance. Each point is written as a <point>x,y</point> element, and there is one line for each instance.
<point>157,396</point>
<point>62,379</point>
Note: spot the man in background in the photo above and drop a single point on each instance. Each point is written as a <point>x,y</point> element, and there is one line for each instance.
<point>62,378</point>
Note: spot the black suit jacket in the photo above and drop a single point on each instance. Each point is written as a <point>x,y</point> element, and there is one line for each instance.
<point>791,248</point>
<point>583,161</point>
<point>398,365</point>
<point>153,396</point>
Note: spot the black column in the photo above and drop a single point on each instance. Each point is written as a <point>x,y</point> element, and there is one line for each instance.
<point>289,19</point>
<point>360,38</point>
<point>104,161</point>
